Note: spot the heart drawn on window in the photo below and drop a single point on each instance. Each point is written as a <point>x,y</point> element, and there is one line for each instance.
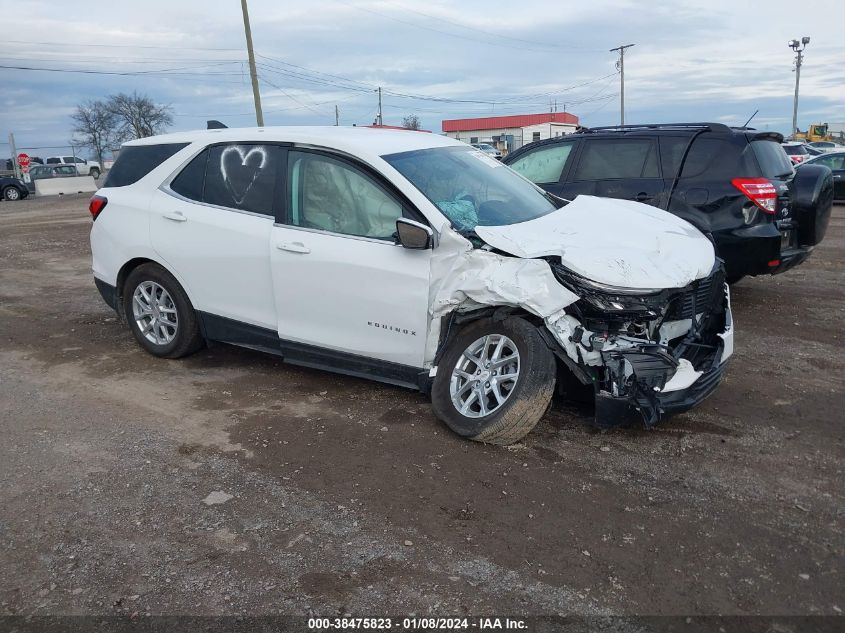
<point>241,168</point>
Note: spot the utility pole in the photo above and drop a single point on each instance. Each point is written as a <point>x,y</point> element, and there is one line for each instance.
<point>336,115</point>
<point>798,47</point>
<point>14,150</point>
<point>259,116</point>
<point>620,65</point>
<point>380,120</point>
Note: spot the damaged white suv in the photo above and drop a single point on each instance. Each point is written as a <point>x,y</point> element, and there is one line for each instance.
<point>416,260</point>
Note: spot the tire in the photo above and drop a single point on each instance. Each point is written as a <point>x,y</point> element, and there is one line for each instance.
<point>525,400</point>
<point>174,325</point>
<point>94,173</point>
<point>12,194</point>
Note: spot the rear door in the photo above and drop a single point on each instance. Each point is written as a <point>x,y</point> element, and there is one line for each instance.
<point>625,168</point>
<point>211,225</point>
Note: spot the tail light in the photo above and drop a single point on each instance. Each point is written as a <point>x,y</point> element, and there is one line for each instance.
<point>96,206</point>
<point>760,191</point>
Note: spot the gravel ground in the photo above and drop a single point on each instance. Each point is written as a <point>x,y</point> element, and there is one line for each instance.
<point>230,483</point>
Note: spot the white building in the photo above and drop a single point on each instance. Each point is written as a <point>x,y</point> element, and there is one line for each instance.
<point>511,132</point>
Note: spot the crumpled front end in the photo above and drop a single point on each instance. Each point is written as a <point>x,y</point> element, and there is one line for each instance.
<point>647,354</point>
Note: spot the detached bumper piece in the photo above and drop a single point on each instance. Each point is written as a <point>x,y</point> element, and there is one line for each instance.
<point>638,396</point>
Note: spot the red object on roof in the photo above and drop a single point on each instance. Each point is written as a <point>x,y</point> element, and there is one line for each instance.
<point>395,127</point>
<point>514,120</point>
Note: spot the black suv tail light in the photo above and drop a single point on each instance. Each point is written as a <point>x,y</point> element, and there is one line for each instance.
<point>760,191</point>
<point>96,206</point>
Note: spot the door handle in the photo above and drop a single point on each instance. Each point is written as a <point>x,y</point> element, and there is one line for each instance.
<point>642,196</point>
<point>175,216</point>
<point>293,247</point>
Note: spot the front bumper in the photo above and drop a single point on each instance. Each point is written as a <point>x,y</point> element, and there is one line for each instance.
<point>650,383</point>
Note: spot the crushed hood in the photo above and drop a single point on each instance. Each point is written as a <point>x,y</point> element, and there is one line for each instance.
<point>615,242</point>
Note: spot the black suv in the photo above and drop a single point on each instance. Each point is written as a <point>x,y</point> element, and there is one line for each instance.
<point>735,184</point>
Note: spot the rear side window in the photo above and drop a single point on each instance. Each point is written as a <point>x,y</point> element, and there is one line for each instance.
<point>136,161</point>
<point>618,158</point>
<point>544,165</point>
<point>836,162</point>
<point>242,177</point>
<point>713,158</point>
<point>53,161</point>
<point>771,158</point>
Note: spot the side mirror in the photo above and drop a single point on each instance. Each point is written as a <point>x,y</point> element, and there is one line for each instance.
<point>411,234</point>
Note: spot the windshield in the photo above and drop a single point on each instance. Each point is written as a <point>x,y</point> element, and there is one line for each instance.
<point>471,188</point>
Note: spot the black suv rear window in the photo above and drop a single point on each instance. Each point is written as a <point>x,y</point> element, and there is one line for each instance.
<point>771,158</point>
<point>136,161</point>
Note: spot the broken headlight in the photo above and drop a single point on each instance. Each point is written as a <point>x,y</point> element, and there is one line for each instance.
<point>601,300</point>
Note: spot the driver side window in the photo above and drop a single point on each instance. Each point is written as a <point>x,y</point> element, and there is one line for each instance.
<point>332,195</point>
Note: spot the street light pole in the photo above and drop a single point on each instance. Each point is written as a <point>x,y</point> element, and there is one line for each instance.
<point>621,66</point>
<point>259,116</point>
<point>798,47</point>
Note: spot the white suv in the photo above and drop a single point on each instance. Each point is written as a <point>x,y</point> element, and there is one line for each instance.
<point>84,167</point>
<point>416,260</point>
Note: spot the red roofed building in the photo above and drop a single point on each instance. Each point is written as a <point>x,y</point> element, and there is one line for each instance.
<point>507,133</point>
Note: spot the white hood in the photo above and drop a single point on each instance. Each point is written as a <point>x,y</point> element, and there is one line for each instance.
<point>615,242</point>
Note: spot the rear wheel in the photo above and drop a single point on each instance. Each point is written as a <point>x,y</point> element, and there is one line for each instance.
<point>159,313</point>
<point>495,381</point>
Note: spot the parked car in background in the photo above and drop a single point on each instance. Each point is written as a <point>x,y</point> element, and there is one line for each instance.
<point>12,189</point>
<point>32,160</point>
<point>827,146</point>
<point>835,161</point>
<point>39,172</point>
<point>84,167</point>
<point>487,149</point>
<point>412,259</point>
<point>735,184</point>
<point>812,151</point>
<point>796,151</point>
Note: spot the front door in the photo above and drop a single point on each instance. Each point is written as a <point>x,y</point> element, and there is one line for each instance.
<point>341,282</point>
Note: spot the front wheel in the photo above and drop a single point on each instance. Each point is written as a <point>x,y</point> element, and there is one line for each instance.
<point>159,313</point>
<point>495,381</point>
<point>95,173</point>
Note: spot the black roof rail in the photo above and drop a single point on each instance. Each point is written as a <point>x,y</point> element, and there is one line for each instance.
<point>713,127</point>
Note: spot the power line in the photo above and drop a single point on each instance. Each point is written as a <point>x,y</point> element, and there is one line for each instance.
<point>147,46</point>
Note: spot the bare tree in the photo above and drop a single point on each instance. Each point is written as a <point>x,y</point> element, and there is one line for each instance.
<point>95,127</point>
<point>138,116</point>
<point>411,122</point>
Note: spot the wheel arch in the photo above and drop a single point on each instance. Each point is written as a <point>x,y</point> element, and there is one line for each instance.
<point>134,263</point>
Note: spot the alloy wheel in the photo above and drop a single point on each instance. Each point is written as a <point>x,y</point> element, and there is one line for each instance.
<point>485,376</point>
<point>155,313</point>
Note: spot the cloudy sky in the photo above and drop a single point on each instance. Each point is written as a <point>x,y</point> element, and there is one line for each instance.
<point>714,60</point>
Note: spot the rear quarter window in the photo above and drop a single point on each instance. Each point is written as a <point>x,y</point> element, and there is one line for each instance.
<point>772,159</point>
<point>711,158</point>
<point>136,161</point>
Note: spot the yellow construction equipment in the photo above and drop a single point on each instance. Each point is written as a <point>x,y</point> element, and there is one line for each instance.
<point>816,132</point>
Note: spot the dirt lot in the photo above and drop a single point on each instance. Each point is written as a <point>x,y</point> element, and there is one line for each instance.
<point>231,483</point>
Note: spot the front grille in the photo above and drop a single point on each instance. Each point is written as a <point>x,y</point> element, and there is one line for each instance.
<point>699,298</point>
